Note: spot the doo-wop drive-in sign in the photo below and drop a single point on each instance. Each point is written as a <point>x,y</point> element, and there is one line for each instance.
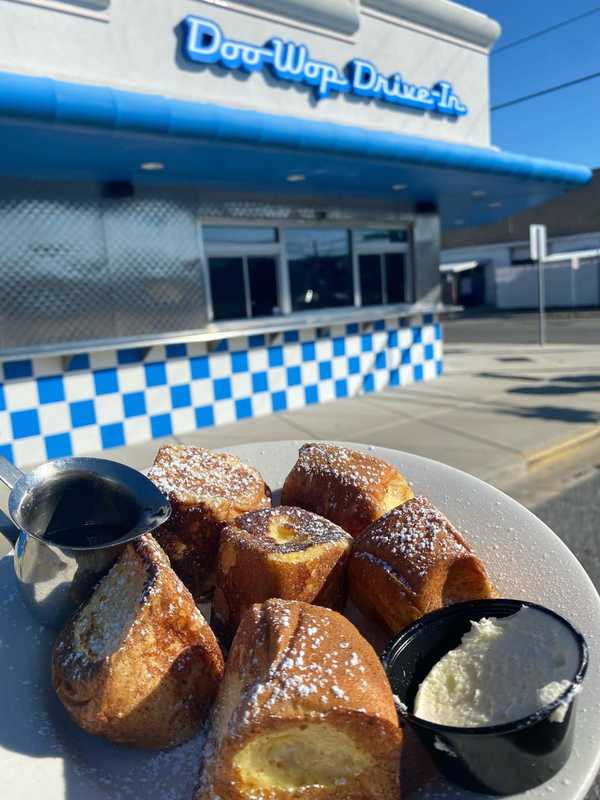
<point>205,43</point>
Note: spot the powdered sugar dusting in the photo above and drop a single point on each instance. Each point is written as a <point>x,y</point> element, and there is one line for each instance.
<point>350,467</point>
<point>195,475</point>
<point>312,663</point>
<point>415,533</point>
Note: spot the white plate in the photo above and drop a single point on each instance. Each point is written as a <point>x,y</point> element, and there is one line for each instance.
<point>42,754</point>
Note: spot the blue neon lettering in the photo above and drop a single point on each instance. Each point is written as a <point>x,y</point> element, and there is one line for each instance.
<point>289,60</point>
<point>363,77</point>
<point>205,43</point>
<point>446,101</point>
<point>203,40</point>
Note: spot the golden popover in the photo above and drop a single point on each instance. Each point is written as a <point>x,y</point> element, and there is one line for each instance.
<point>138,664</point>
<point>305,710</point>
<point>348,487</point>
<point>206,489</point>
<point>278,552</point>
<point>412,561</point>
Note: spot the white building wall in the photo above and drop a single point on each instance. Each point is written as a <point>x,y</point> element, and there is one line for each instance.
<point>135,45</point>
<point>517,287</point>
<point>512,286</point>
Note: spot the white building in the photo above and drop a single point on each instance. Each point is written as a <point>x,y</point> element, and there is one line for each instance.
<point>212,211</point>
<point>491,264</point>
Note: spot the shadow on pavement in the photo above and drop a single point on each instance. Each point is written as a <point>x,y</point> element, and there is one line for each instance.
<point>551,389</point>
<point>595,378</point>
<point>507,376</point>
<point>557,413</point>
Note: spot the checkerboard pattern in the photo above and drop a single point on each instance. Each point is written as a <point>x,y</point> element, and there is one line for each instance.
<point>52,407</point>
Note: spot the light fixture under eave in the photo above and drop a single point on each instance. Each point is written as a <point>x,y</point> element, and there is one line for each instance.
<point>152,166</point>
<point>399,187</point>
<point>296,178</point>
<point>459,222</point>
<point>495,204</point>
<point>478,193</point>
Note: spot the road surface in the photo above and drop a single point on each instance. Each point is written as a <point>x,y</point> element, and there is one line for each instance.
<point>573,515</point>
<point>522,328</point>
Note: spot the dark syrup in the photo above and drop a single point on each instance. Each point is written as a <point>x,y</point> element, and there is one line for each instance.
<point>85,535</point>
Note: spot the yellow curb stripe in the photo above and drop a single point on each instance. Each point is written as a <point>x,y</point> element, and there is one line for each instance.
<point>561,448</point>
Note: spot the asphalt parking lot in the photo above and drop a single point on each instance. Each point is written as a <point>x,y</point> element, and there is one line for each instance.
<point>516,327</point>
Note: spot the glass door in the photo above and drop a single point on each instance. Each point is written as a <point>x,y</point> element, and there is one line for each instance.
<point>243,266</point>
<point>395,277</point>
<point>382,260</point>
<point>262,280</point>
<point>227,287</point>
<point>371,279</point>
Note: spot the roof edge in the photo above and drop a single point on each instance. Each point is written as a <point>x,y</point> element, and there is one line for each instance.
<point>342,16</point>
<point>444,16</point>
<point>47,101</point>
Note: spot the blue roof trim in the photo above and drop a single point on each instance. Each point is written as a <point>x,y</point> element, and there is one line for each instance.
<point>49,101</point>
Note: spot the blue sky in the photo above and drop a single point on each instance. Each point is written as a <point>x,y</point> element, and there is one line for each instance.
<point>564,125</point>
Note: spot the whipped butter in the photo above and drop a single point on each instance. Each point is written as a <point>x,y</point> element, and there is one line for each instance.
<point>504,669</point>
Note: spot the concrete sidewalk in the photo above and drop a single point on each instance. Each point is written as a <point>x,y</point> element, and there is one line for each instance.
<point>495,413</point>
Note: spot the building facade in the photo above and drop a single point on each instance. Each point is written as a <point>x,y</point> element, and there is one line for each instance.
<point>213,211</point>
<point>491,264</point>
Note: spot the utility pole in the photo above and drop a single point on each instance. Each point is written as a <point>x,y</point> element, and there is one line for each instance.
<point>538,250</point>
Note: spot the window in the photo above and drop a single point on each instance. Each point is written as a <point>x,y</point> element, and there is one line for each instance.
<point>242,265</point>
<point>395,277</point>
<point>262,278</point>
<point>371,280</point>
<point>382,256</point>
<point>235,235</point>
<point>320,267</point>
<point>382,278</point>
<point>520,255</point>
<point>375,236</point>
<point>245,264</point>
<point>227,286</point>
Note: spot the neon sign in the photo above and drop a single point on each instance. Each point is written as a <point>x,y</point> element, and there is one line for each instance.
<point>205,43</point>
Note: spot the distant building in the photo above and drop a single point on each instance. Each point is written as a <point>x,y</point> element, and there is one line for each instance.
<point>490,264</point>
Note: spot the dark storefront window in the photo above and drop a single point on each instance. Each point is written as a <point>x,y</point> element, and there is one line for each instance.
<point>371,284</point>
<point>235,234</point>
<point>227,286</point>
<point>395,277</point>
<point>262,277</point>
<point>242,265</point>
<point>375,236</point>
<point>382,278</point>
<point>320,267</point>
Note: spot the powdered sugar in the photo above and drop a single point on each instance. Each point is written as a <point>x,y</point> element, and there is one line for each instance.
<point>346,466</point>
<point>415,534</point>
<point>311,663</point>
<point>195,475</point>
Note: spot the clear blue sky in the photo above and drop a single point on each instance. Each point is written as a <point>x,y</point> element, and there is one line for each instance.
<point>564,125</point>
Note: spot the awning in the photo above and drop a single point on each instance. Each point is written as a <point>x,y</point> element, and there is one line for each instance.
<point>53,129</point>
<point>459,266</point>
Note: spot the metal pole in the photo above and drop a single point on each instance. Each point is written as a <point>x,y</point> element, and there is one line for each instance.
<point>542,304</point>
<point>539,251</point>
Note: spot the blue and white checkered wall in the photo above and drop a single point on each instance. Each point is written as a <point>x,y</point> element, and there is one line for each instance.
<point>52,406</point>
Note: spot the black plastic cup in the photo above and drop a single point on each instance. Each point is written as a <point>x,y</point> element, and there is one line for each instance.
<point>498,759</point>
